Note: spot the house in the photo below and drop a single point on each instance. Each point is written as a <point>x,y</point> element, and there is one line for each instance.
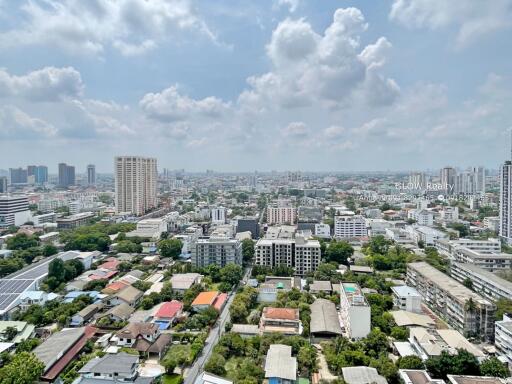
<point>23,331</point>
<point>115,287</point>
<point>361,269</point>
<point>169,311</point>
<point>180,282</point>
<point>121,312</point>
<point>281,320</point>
<point>362,375</point>
<point>246,330</point>
<point>94,295</point>
<point>128,336</point>
<point>209,378</point>
<point>325,322</point>
<point>28,298</point>
<point>121,366</point>
<point>145,338</point>
<point>268,290</point>
<point>417,376</point>
<point>60,349</point>
<point>411,319</point>
<point>280,366</point>
<point>110,264</point>
<point>320,286</point>
<point>208,299</point>
<point>85,315</point>
<point>128,295</point>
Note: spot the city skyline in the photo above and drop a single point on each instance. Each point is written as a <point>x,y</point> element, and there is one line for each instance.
<point>285,84</point>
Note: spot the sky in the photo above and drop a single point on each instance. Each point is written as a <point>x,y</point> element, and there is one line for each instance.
<point>239,85</point>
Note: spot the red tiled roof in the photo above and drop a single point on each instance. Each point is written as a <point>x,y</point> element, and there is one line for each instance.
<point>106,276</point>
<point>59,366</point>
<point>111,264</point>
<point>169,309</point>
<point>219,301</point>
<point>281,313</point>
<point>115,286</point>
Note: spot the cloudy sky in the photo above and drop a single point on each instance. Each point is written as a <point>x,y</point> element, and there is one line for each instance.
<point>270,84</point>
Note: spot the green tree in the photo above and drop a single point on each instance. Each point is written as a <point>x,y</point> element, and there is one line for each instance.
<point>468,283</point>
<point>10,333</point>
<point>126,246</point>
<point>379,244</point>
<point>339,252</point>
<point>462,363</point>
<point>21,241</point>
<point>494,367</point>
<point>170,248</point>
<point>410,362</point>
<point>503,306</point>
<point>56,269</point>
<point>49,250</point>
<point>399,333</point>
<point>247,249</point>
<point>231,274</point>
<point>24,368</point>
<point>216,364</point>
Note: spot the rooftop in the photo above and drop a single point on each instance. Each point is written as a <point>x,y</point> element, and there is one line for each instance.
<point>362,375</point>
<point>281,313</point>
<point>404,290</point>
<point>280,363</point>
<point>205,298</point>
<point>453,287</point>
<point>324,317</point>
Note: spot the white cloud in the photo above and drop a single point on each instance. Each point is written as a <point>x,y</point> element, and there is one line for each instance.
<point>16,124</point>
<point>295,130</point>
<point>90,27</point>
<point>328,68</point>
<point>170,105</point>
<point>291,4</point>
<point>472,19</point>
<point>47,84</point>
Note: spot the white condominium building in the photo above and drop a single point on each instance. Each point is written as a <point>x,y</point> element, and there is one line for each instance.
<point>135,184</point>
<point>484,282</point>
<point>282,212</point>
<point>220,251</point>
<point>463,309</point>
<point>421,216</point>
<point>218,215</point>
<point>302,254</point>
<point>355,311</point>
<point>349,225</point>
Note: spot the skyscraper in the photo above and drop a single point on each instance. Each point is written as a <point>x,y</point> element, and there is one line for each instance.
<point>66,175</point>
<point>135,184</point>
<point>448,178</point>
<point>18,175</point>
<point>506,200</point>
<point>41,174</point>
<point>91,174</point>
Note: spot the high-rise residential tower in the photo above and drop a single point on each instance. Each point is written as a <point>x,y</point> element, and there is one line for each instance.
<point>135,184</point>
<point>41,174</point>
<point>448,177</point>
<point>66,175</point>
<point>506,199</point>
<point>91,174</point>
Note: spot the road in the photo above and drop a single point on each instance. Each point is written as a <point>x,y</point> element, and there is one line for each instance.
<point>213,337</point>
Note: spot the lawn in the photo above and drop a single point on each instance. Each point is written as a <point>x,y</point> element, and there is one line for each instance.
<point>172,379</point>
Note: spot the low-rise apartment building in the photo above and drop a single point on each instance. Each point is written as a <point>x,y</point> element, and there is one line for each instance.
<point>355,312</point>
<point>349,225</point>
<point>74,221</point>
<point>300,253</point>
<point>216,250</point>
<point>503,338</point>
<point>486,283</point>
<point>406,298</point>
<point>465,310</point>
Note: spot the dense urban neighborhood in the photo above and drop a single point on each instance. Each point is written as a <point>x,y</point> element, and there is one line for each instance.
<point>293,277</point>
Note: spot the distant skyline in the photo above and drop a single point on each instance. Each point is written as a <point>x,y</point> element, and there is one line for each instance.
<point>243,85</point>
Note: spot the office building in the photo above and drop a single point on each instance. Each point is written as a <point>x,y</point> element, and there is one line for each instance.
<point>355,312</point>
<point>14,210</point>
<point>282,212</point>
<point>18,176</point>
<point>91,174</point>
<point>135,184</point>
<point>75,221</point>
<point>406,298</point>
<point>216,250</point>
<point>503,338</point>
<point>300,253</point>
<point>218,215</point>
<point>486,283</point>
<point>66,175</point>
<point>3,184</point>
<point>465,310</point>
<point>349,225</point>
<point>248,224</point>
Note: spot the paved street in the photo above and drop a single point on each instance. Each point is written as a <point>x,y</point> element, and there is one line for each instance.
<point>213,338</point>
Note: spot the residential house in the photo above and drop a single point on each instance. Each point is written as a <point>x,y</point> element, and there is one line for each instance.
<point>180,282</point>
<point>280,366</point>
<point>281,320</point>
<point>208,299</point>
<point>128,295</point>
<point>85,315</point>
<point>23,331</point>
